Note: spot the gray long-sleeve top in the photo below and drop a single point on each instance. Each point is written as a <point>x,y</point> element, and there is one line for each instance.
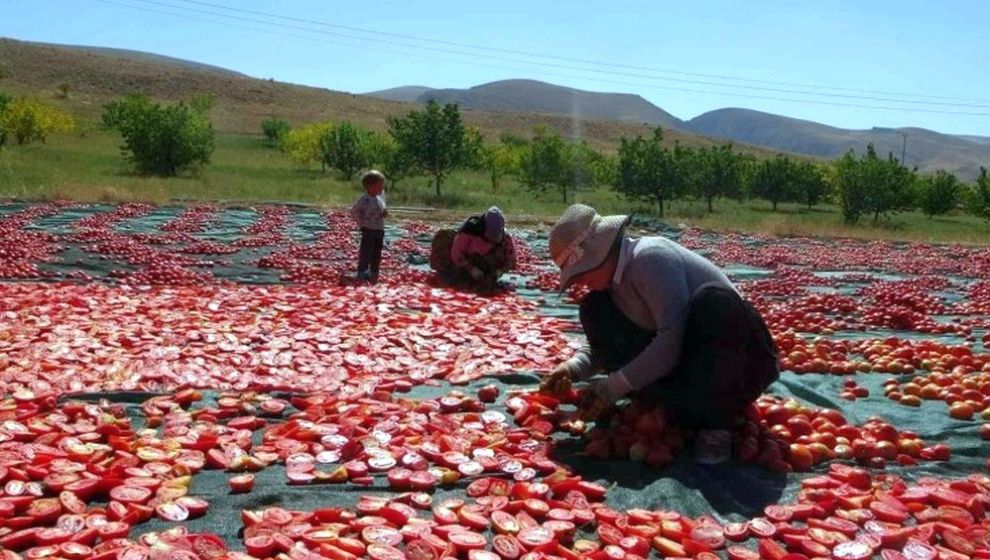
<point>369,212</point>
<point>653,285</point>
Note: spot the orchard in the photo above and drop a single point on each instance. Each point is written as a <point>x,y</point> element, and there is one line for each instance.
<point>208,382</point>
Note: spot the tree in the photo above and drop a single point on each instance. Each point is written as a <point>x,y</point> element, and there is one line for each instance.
<point>394,162</point>
<point>162,139</point>
<point>648,171</point>
<point>718,172</point>
<point>870,185</point>
<point>126,109</point>
<point>851,186</point>
<point>25,120</point>
<point>347,148</point>
<point>436,140</point>
<point>978,198</point>
<point>939,193</point>
<point>275,130</point>
<point>586,168</point>
<point>774,179</point>
<point>811,186</point>
<point>499,160</point>
<point>303,144</point>
<point>543,164</point>
<point>549,164</point>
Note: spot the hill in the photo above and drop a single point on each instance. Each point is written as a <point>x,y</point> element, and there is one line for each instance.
<point>406,94</point>
<point>926,149</point>
<point>242,102</point>
<point>146,57</point>
<point>541,97</point>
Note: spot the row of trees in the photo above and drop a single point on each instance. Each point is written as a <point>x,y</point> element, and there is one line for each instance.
<point>877,186</point>
<point>164,139</point>
<point>434,141</point>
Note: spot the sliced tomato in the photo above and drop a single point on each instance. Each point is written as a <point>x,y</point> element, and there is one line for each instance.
<point>418,549</point>
<point>381,551</point>
<point>762,528</point>
<point>852,550</point>
<point>260,546</point>
<point>467,540</point>
<point>737,532</point>
<point>172,511</point>
<point>740,553</point>
<point>534,537</point>
<point>506,547</point>
<point>711,536</point>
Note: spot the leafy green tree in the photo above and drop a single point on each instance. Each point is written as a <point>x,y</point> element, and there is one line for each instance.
<point>275,130</point>
<point>871,185</point>
<point>26,119</point>
<point>162,139</point>
<point>811,185</point>
<point>648,171</point>
<point>303,144</point>
<point>543,164</point>
<point>939,193</point>
<point>852,186</point>
<point>550,164</point>
<point>348,148</point>
<point>718,172</point>
<point>126,109</point>
<point>978,198</point>
<point>393,161</point>
<point>436,140</point>
<point>500,160</point>
<point>895,192</point>
<point>586,168</point>
<point>774,179</point>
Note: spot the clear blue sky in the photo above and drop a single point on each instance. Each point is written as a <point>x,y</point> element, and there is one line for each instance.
<point>910,49</point>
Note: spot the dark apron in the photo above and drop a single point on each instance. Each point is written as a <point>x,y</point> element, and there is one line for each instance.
<point>728,357</point>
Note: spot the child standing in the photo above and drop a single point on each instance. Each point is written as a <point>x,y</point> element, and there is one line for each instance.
<point>369,212</point>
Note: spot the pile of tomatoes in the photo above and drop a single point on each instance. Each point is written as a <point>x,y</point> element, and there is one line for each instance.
<point>787,435</point>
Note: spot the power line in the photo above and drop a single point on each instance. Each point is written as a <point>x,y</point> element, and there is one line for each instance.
<point>571,59</point>
<point>544,64</point>
<point>185,15</point>
<point>215,22</point>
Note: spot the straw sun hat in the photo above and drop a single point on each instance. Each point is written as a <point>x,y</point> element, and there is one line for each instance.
<point>581,240</point>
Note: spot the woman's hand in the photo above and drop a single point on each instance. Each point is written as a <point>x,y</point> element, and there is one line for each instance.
<point>599,399</point>
<point>558,382</point>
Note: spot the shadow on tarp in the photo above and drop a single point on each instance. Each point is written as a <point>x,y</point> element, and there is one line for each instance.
<point>725,490</point>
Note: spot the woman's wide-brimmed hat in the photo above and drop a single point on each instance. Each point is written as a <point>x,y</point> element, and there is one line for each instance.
<point>581,240</point>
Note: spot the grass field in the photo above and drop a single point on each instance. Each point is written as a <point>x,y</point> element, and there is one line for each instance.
<point>89,168</point>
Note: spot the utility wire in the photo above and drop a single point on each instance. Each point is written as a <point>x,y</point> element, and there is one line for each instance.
<point>570,59</point>
<point>184,14</point>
